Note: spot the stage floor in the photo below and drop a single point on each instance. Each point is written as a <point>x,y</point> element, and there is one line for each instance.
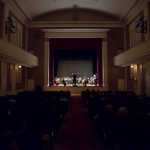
<point>75,90</point>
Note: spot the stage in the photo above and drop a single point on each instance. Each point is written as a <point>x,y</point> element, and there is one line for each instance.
<point>76,89</point>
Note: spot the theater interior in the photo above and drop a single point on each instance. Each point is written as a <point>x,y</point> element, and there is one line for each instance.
<point>74,75</point>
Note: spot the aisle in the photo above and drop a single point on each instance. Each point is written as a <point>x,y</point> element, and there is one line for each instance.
<point>77,132</point>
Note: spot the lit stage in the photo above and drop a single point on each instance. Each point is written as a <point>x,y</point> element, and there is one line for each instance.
<point>74,89</point>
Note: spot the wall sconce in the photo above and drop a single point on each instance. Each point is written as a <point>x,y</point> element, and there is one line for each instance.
<point>133,71</point>
<point>19,66</point>
<point>10,26</point>
<point>141,25</point>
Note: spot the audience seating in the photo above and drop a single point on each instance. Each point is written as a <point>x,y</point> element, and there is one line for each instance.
<point>31,119</point>
<point>120,117</point>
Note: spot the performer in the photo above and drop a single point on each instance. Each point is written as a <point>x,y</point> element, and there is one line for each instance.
<point>74,79</point>
<point>64,82</point>
<point>95,80</point>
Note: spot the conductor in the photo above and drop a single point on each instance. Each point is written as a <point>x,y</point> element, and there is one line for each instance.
<point>74,76</point>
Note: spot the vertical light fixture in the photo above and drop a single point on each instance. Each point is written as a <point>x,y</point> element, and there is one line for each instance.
<point>10,26</point>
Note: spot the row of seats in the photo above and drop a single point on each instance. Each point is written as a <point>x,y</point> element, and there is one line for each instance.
<point>31,119</point>
<point>120,117</point>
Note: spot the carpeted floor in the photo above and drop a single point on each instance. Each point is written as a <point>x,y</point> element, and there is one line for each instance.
<point>77,131</point>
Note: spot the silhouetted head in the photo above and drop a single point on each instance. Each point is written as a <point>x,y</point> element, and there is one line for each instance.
<point>109,108</point>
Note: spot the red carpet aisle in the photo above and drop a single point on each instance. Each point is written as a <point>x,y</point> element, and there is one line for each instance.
<point>77,132</point>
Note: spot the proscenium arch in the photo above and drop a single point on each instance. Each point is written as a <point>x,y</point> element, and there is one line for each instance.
<point>75,33</point>
<point>76,47</point>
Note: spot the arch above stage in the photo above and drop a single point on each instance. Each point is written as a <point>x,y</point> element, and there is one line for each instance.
<point>78,34</point>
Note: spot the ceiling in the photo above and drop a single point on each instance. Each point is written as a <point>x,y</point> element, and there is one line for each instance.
<point>34,8</point>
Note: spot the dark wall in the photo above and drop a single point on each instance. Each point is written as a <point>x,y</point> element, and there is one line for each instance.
<point>22,84</point>
<point>1,18</point>
<point>115,42</point>
<point>36,44</point>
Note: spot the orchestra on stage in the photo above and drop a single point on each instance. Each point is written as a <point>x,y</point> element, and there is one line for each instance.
<point>76,80</point>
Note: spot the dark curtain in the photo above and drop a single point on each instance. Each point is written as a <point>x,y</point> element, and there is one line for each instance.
<point>51,67</point>
<point>99,66</point>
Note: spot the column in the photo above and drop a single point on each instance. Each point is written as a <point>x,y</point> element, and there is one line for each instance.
<point>46,63</point>
<point>139,79</point>
<point>3,77</point>
<point>104,63</point>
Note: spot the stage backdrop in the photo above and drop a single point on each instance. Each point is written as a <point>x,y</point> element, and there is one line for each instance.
<point>67,67</point>
<point>73,49</point>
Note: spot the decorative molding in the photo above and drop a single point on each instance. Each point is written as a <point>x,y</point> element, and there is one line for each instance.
<point>77,24</point>
<point>93,33</point>
<point>132,7</point>
<point>24,13</point>
<point>76,30</point>
<point>141,25</point>
<point>136,10</point>
<point>10,26</point>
